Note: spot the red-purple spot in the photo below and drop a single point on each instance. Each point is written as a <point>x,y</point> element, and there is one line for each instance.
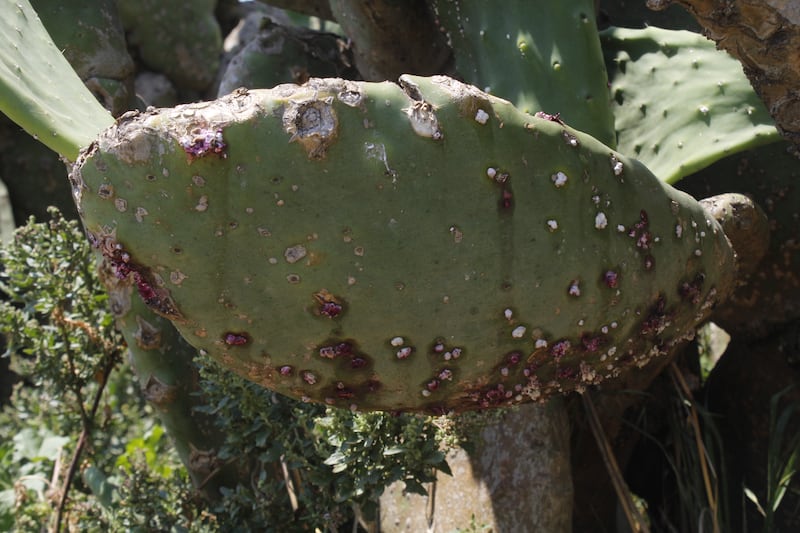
<point>656,319</point>
<point>611,279</point>
<point>592,343</point>
<point>343,392</point>
<point>327,352</point>
<point>358,362</point>
<point>202,142</point>
<point>567,373</point>
<point>336,350</point>
<point>285,370</point>
<point>692,291</point>
<point>432,385</point>
<point>330,309</point>
<point>308,377</point>
<point>514,358</point>
<point>236,339</point>
<point>344,348</point>
<point>445,374</point>
<point>146,291</point>
<point>560,349</point>
<point>506,200</point>
<point>495,396</point>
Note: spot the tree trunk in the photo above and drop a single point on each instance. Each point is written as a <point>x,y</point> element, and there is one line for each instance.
<point>517,479</point>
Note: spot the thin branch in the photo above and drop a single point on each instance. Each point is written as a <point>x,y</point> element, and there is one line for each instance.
<point>110,363</point>
<point>635,519</point>
<point>711,494</point>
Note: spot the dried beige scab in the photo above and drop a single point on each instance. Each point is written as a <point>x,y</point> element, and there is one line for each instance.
<point>424,122</point>
<point>312,123</point>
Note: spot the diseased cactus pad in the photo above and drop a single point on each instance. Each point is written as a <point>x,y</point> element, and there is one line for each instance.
<point>425,247</point>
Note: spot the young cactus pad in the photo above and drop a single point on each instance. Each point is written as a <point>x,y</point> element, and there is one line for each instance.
<point>416,247</point>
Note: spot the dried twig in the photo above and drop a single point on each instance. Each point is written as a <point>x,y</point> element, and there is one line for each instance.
<point>635,519</point>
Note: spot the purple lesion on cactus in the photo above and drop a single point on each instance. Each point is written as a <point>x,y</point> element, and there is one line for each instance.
<point>358,362</point>
<point>514,358</point>
<point>560,349</point>
<point>657,318</point>
<point>640,232</point>
<point>328,305</point>
<point>201,142</point>
<point>309,377</point>
<point>349,394</point>
<point>691,291</point>
<point>592,342</point>
<point>567,373</point>
<point>492,395</point>
<point>236,339</point>
<point>346,353</point>
<point>502,179</point>
<point>338,349</point>
<point>124,267</point>
<point>611,279</point>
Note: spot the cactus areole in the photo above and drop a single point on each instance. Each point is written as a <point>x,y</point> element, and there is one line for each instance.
<point>422,246</point>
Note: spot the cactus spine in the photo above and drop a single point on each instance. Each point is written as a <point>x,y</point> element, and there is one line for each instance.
<point>428,247</point>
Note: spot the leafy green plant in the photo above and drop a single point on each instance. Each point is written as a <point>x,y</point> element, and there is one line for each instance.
<point>321,462</point>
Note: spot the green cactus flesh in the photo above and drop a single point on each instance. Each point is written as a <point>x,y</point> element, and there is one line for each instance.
<point>539,54</point>
<point>680,104</point>
<point>424,247</point>
<point>27,94</point>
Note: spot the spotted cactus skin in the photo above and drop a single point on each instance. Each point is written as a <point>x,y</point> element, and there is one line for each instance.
<point>425,247</point>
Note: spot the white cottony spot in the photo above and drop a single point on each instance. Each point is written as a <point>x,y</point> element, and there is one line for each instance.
<point>600,221</point>
<point>559,179</point>
<point>481,117</point>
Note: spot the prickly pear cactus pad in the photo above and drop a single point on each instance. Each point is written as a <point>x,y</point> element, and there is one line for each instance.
<point>414,247</point>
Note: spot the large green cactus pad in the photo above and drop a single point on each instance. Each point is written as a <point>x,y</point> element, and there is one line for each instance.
<point>424,247</point>
<point>680,104</point>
